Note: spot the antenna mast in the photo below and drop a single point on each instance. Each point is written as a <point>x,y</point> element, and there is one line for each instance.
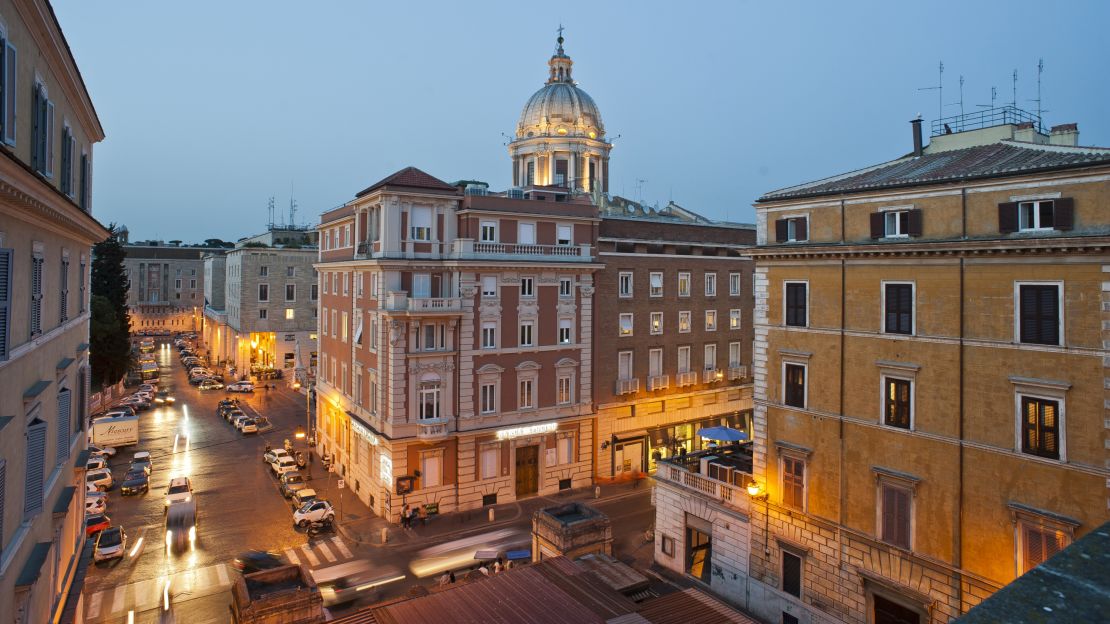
<point>1040,70</point>
<point>270,213</point>
<point>961,95</point>
<point>1014,103</point>
<point>939,89</point>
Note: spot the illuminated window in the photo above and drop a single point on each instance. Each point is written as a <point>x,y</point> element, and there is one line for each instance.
<point>684,284</point>
<point>655,281</point>
<point>734,319</point>
<point>656,322</point>
<point>684,322</point>
<point>289,314</point>
<point>710,320</point>
<point>625,324</point>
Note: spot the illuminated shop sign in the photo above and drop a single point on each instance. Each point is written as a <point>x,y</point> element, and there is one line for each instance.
<point>517,432</point>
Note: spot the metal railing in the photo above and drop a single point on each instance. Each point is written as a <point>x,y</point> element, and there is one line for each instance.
<point>737,372</point>
<point>659,382</point>
<point>627,386</point>
<point>711,375</point>
<point>688,378</point>
<point>998,116</point>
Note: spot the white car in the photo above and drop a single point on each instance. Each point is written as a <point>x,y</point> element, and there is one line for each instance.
<point>313,511</point>
<point>240,420</point>
<point>96,505</point>
<point>96,462</point>
<point>147,387</point>
<point>241,386</point>
<point>110,544</point>
<point>273,454</point>
<point>283,465</point>
<point>97,451</point>
<point>180,490</point>
<point>102,479</point>
<point>249,426</point>
<point>210,384</point>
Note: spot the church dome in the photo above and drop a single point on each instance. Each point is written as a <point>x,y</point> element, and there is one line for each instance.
<point>560,108</point>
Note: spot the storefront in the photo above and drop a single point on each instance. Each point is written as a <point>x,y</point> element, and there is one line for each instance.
<point>670,441</point>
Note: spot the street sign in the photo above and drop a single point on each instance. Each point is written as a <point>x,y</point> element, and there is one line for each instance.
<point>339,484</point>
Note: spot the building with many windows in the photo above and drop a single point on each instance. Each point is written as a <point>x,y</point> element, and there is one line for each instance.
<point>165,287</point>
<point>48,127</point>
<point>930,360</point>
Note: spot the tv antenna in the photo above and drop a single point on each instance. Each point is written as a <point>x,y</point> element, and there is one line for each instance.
<point>640,190</point>
<point>994,96</point>
<point>1014,102</point>
<point>939,89</point>
<point>1040,111</point>
<point>270,212</point>
<point>292,207</point>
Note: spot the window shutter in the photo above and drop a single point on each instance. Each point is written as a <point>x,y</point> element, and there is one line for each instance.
<point>878,225</point>
<point>902,509</point>
<point>10,89</point>
<point>64,405</point>
<point>4,80</point>
<point>32,486</point>
<point>85,182</point>
<point>780,230</point>
<point>1063,213</point>
<point>5,300</point>
<point>3,492</point>
<point>36,131</point>
<point>1007,217</point>
<point>36,296</point>
<point>801,229</point>
<point>49,138</point>
<point>915,219</point>
<point>1034,547</point>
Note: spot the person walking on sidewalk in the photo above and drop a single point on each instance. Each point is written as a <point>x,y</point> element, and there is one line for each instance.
<point>405,517</point>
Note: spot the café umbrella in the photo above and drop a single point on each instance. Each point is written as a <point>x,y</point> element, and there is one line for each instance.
<point>722,434</point>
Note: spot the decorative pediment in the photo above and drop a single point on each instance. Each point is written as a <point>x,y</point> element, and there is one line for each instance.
<point>528,366</point>
<point>565,363</point>
<point>490,369</point>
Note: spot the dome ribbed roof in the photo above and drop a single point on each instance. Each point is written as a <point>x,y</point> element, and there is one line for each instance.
<point>560,105</point>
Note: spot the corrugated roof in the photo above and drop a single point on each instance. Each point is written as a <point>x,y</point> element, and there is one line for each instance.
<point>1005,158</point>
<point>691,606</point>
<point>410,177</point>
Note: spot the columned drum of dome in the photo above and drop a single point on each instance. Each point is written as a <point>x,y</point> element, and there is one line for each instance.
<point>560,138</point>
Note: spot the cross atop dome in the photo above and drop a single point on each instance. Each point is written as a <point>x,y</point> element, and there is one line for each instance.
<point>560,64</point>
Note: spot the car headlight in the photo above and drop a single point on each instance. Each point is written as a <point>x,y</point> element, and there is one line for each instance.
<point>169,538</point>
<point>192,534</point>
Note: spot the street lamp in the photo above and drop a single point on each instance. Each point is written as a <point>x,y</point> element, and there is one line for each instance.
<point>758,493</point>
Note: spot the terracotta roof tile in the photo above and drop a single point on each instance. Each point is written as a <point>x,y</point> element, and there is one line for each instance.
<point>410,177</point>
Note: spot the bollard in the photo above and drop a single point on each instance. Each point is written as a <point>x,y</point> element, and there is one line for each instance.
<point>597,492</point>
<point>491,514</point>
<point>385,534</point>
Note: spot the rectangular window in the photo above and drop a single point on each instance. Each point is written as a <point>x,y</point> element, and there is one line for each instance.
<point>655,281</point>
<point>263,292</point>
<point>624,365</point>
<point>684,322</point>
<point>895,505</point>
<point>346,283</point>
<point>526,399</point>
<point>421,227</point>
<point>489,335</point>
<point>564,331</point>
<point>488,398</point>
<point>327,282</point>
<point>290,271</point>
<point>562,391</point>
<point>734,319</point>
<point>489,286</point>
<point>1040,427</point>
<point>684,359</point>
<point>429,337</point>
<point>324,320</point>
<point>34,473</point>
<point>528,287</point>
<point>36,294</point>
<point>710,320</point>
<point>431,470</point>
<point>710,284</point>
<point>656,325</point>
<point>794,385</point>
<point>489,232</point>
<point>791,574</point>
<point>290,292</point>
<point>792,229</point>
<point>566,449</point>
<point>796,303</point>
<point>315,293</point>
<point>734,284</point>
<point>709,353</point>
<point>334,323</point>
<point>526,333</point>
<point>177,284</point>
<point>896,223</point>
<point>526,233</point>
<point>263,271</point>
<point>429,401</point>
<point>566,287</point>
<point>625,328</point>
<point>262,313</point>
<point>564,235</point>
<point>898,308</point>
<point>64,290</point>
<point>734,354</point>
<point>1036,215</point>
<point>1039,315</point>
<point>684,284</point>
<point>655,362</point>
<point>289,314</point>
<point>897,398</point>
<point>1039,543</point>
<point>421,285</point>
<point>343,327</point>
<point>794,483</point>
<point>491,461</point>
<point>624,284</point>
<point>193,284</point>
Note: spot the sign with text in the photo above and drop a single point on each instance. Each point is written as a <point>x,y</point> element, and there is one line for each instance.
<point>518,432</point>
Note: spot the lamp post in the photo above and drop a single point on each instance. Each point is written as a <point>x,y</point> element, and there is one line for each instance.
<point>756,492</point>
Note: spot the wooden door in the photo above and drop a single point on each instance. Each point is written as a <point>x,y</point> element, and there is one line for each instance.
<point>527,470</point>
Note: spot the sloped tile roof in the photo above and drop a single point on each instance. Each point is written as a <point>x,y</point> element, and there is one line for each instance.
<point>1005,158</point>
<point>410,177</point>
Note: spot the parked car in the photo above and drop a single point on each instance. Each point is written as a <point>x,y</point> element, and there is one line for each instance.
<point>96,523</point>
<point>241,386</point>
<point>148,387</point>
<point>291,483</point>
<point>232,415</point>
<point>300,497</point>
<point>141,459</point>
<point>249,426</point>
<point>97,505</point>
<point>313,511</point>
<point>106,451</point>
<point>283,465</point>
<point>255,560</point>
<point>96,462</point>
<point>180,490</point>
<point>272,454</point>
<point>136,481</point>
<point>210,384</point>
<point>111,543</point>
<point>241,420</point>
<point>102,479</point>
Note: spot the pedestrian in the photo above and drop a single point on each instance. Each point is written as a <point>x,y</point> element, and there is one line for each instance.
<point>415,516</point>
<point>452,577</point>
<point>423,517</point>
<point>483,569</point>
<point>445,579</point>
<point>498,567</point>
<point>405,517</point>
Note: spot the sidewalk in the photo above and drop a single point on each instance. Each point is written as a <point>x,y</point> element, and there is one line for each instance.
<point>360,525</point>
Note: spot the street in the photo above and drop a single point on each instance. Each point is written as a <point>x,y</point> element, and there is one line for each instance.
<point>240,508</point>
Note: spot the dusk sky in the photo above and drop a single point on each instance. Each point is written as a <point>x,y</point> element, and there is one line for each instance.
<point>211,108</point>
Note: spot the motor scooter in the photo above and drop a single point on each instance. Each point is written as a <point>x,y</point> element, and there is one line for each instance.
<point>317,527</point>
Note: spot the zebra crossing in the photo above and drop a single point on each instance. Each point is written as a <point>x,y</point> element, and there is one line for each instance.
<point>113,604</point>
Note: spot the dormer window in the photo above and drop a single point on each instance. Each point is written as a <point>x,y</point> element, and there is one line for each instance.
<point>792,229</point>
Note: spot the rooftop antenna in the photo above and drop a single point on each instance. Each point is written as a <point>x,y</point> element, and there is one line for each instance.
<point>961,95</point>
<point>994,96</point>
<point>1014,102</point>
<point>939,89</point>
<point>292,206</point>
<point>1040,111</point>
<point>270,213</point>
<point>640,190</point>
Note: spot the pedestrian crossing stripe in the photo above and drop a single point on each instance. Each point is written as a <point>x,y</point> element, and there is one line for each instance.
<point>326,552</point>
<point>311,556</point>
<point>346,552</point>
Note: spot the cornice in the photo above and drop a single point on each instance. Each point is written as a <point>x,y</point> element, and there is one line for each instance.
<point>973,248</point>
<point>36,201</point>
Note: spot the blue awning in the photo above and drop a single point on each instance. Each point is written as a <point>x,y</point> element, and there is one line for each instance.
<point>514,555</point>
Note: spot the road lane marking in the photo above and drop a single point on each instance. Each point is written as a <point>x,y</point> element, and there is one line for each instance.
<point>341,547</point>
<point>221,572</point>
<point>324,550</point>
<point>292,556</point>
<point>94,605</point>
<point>118,598</point>
<point>312,560</point>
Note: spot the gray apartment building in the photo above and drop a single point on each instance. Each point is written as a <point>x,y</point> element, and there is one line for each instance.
<point>165,287</point>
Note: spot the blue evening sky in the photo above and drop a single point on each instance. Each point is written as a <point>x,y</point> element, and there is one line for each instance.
<point>211,108</point>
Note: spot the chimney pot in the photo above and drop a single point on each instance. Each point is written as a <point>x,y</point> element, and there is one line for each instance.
<point>1064,134</point>
<point>918,149</point>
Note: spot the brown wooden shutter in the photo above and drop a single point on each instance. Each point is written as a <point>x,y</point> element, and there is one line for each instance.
<point>878,225</point>
<point>1063,213</point>
<point>801,229</point>
<point>780,230</point>
<point>1007,217</point>
<point>915,219</point>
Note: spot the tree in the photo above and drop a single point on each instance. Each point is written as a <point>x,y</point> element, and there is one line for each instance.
<point>216,243</point>
<point>256,245</point>
<point>175,243</point>
<point>109,344</point>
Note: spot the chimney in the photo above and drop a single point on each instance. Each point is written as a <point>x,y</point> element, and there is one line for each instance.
<point>917,148</point>
<point>1064,134</point>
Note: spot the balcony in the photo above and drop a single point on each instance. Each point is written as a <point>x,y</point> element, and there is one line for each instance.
<point>401,302</point>
<point>469,249</point>
<point>659,382</point>
<point>627,386</point>
<point>712,375</point>
<point>432,428</point>
<point>688,378</point>
<point>737,372</point>
<point>720,474</point>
